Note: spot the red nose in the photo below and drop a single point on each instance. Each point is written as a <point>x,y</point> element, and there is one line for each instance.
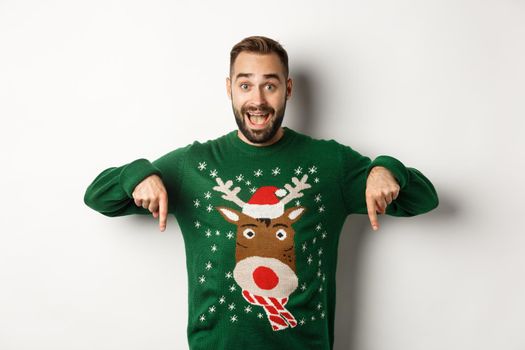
<point>265,278</point>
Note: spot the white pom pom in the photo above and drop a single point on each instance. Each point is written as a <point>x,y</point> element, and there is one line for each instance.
<point>280,192</point>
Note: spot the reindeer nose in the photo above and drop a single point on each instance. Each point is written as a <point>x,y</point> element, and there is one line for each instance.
<point>265,278</point>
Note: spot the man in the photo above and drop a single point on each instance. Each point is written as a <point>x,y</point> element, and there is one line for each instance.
<point>261,209</point>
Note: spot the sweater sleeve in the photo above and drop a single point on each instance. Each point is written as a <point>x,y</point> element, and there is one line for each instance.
<point>416,196</point>
<point>110,193</point>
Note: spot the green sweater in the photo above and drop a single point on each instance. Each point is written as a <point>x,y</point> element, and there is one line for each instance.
<point>261,228</point>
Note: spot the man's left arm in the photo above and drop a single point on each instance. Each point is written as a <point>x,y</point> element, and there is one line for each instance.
<point>384,186</point>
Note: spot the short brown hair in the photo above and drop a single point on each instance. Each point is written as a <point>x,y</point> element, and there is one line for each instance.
<point>261,45</point>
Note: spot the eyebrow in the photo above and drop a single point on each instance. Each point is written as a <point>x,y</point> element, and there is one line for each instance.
<point>267,76</point>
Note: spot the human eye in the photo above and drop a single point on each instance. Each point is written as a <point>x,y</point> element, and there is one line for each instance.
<point>244,86</point>
<point>270,87</point>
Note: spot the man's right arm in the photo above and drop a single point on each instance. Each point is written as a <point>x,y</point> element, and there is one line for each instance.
<point>111,192</point>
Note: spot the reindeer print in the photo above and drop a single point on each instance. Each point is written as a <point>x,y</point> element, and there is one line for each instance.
<point>265,250</point>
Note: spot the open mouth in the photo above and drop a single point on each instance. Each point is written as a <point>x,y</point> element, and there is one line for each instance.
<point>257,120</point>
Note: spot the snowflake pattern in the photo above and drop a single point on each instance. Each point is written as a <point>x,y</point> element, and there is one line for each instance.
<point>305,247</point>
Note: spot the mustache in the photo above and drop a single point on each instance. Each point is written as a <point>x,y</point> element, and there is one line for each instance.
<point>261,109</point>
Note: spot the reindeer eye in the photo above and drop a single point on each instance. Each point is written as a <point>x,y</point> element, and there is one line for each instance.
<point>280,234</point>
<point>248,233</point>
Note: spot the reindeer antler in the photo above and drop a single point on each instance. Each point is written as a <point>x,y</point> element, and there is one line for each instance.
<point>295,192</point>
<point>230,195</point>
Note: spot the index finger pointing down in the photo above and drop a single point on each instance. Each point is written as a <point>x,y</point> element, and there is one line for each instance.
<point>163,212</point>
<point>372,214</point>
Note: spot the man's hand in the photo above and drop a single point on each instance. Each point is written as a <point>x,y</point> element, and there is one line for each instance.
<point>381,189</point>
<point>151,194</point>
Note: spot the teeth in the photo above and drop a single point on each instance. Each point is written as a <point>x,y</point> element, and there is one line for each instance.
<point>257,118</point>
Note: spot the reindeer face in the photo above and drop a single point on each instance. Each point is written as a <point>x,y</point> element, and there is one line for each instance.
<point>264,253</point>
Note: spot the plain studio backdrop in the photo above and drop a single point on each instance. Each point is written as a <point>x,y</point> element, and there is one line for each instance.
<point>89,85</point>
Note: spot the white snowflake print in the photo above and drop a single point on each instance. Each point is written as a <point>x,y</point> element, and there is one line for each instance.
<point>317,197</point>
<point>217,233</point>
<point>202,318</point>
<point>310,259</point>
<point>319,273</point>
<point>214,173</point>
<point>239,177</point>
<point>214,248</point>
<point>324,277</point>
<point>202,279</point>
<point>259,315</point>
<point>322,314</point>
<point>323,235</point>
<point>313,318</point>
<point>314,240</point>
<point>196,203</point>
<point>321,289</point>
<point>231,307</point>
<point>303,287</point>
<point>320,261</point>
<point>228,275</point>
<point>316,180</point>
<point>222,300</point>
<point>302,321</point>
<point>321,209</point>
<point>232,288</point>
<point>208,265</point>
<point>312,169</point>
<point>276,171</point>
<point>233,318</point>
<point>208,233</point>
<point>202,166</point>
<point>320,251</point>
<point>318,227</point>
<point>298,170</point>
<point>304,246</point>
<point>258,173</point>
<point>207,195</point>
<point>197,224</point>
<point>248,309</point>
<point>297,203</point>
<point>319,306</point>
<point>209,208</point>
<point>248,182</point>
<point>229,235</point>
<point>212,309</point>
<point>253,189</point>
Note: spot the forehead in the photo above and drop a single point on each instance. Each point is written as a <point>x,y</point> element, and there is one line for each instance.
<point>257,64</point>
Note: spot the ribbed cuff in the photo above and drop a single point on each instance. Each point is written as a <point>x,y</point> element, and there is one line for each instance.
<point>397,168</point>
<point>136,171</point>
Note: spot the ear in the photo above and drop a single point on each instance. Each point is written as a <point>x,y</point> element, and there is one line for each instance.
<point>229,87</point>
<point>293,214</point>
<point>231,215</point>
<point>289,84</point>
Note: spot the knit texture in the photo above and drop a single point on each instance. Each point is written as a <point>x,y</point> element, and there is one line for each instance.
<point>261,228</point>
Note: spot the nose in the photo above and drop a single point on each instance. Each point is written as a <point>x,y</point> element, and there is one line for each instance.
<point>265,278</point>
<point>258,96</point>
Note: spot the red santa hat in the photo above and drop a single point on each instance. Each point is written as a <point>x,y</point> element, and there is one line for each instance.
<point>265,203</point>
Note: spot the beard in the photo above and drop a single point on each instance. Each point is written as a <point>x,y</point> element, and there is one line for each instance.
<point>263,135</point>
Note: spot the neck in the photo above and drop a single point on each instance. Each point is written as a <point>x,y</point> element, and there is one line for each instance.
<point>273,140</point>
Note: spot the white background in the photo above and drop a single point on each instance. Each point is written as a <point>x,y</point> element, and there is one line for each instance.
<point>89,85</point>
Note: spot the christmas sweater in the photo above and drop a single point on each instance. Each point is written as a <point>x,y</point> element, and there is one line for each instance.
<point>261,228</point>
